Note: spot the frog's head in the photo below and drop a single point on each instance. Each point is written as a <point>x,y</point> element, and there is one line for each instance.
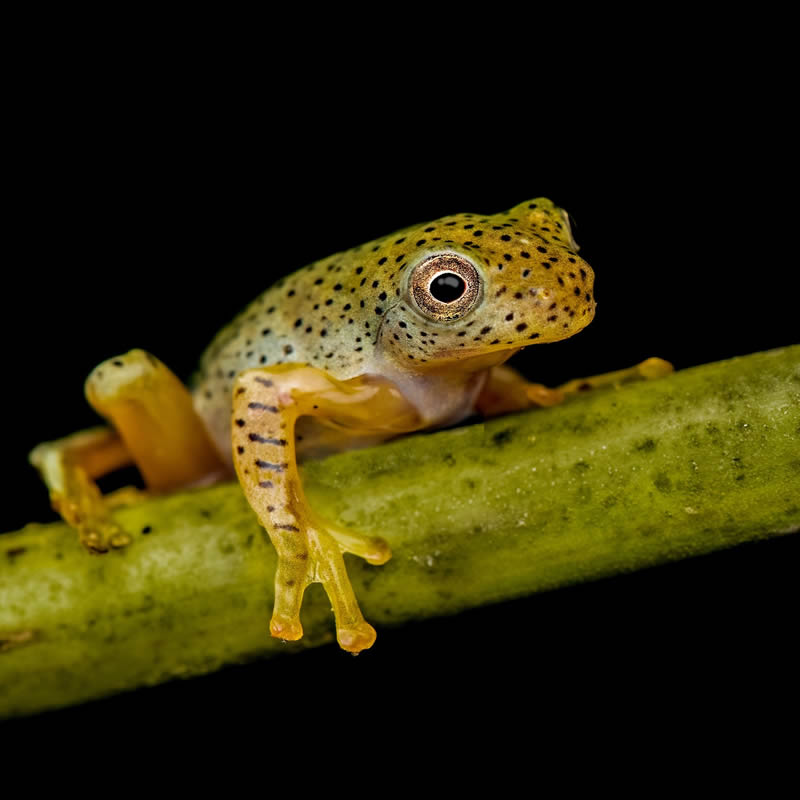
<point>483,285</point>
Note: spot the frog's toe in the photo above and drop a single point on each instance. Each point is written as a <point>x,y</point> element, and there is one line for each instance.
<point>93,542</point>
<point>655,368</point>
<point>290,630</point>
<point>355,639</point>
<point>291,579</point>
<point>373,549</point>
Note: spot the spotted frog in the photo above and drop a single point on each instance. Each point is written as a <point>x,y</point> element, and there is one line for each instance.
<point>405,333</point>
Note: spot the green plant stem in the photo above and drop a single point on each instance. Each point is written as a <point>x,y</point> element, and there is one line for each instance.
<point>611,481</point>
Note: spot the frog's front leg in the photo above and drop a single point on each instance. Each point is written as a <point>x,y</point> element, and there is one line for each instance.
<point>266,405</point>
<point>154,427</point>
<point>507,391</point>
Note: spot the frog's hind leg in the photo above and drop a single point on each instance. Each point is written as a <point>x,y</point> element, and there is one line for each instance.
<point>507,391</point>
<point>154,427</point>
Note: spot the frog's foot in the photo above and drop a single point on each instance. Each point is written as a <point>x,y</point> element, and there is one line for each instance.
<point>315,556</point>
<point>266,405</point>
<point>97,530</point>
<point>73,494</point>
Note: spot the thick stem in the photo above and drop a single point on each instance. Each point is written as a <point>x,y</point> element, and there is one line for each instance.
<point>612,481</point>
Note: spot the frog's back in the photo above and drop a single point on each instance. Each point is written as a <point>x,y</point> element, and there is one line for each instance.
<point>326,314</point>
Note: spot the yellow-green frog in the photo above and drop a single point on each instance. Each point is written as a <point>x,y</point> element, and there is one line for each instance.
<point>401,334</point>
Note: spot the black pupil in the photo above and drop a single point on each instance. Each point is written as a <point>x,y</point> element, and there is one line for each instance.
<point>447,287</point>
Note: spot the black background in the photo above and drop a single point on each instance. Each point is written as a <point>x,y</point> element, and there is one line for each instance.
<point>149,209</point>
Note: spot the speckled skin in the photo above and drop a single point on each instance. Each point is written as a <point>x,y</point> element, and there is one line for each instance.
<point>405,333</point>
<point>350,314</point>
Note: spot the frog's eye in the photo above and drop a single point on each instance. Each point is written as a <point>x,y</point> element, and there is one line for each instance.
<point>445,286</point>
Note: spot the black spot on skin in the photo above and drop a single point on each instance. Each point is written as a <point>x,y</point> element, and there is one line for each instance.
<point>486,329</point>
<point>270,466</point>
<point>525,254</point>
<point>261,407</point>
<point>240,423</point>
<point>382,296</point>
<point>240,449</point>
<point>383,261</point>
<point>522,326</point>
<point>541,249</point>
<point>257,437</point>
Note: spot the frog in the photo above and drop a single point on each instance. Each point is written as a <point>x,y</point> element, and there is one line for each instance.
<point>409,332</point>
